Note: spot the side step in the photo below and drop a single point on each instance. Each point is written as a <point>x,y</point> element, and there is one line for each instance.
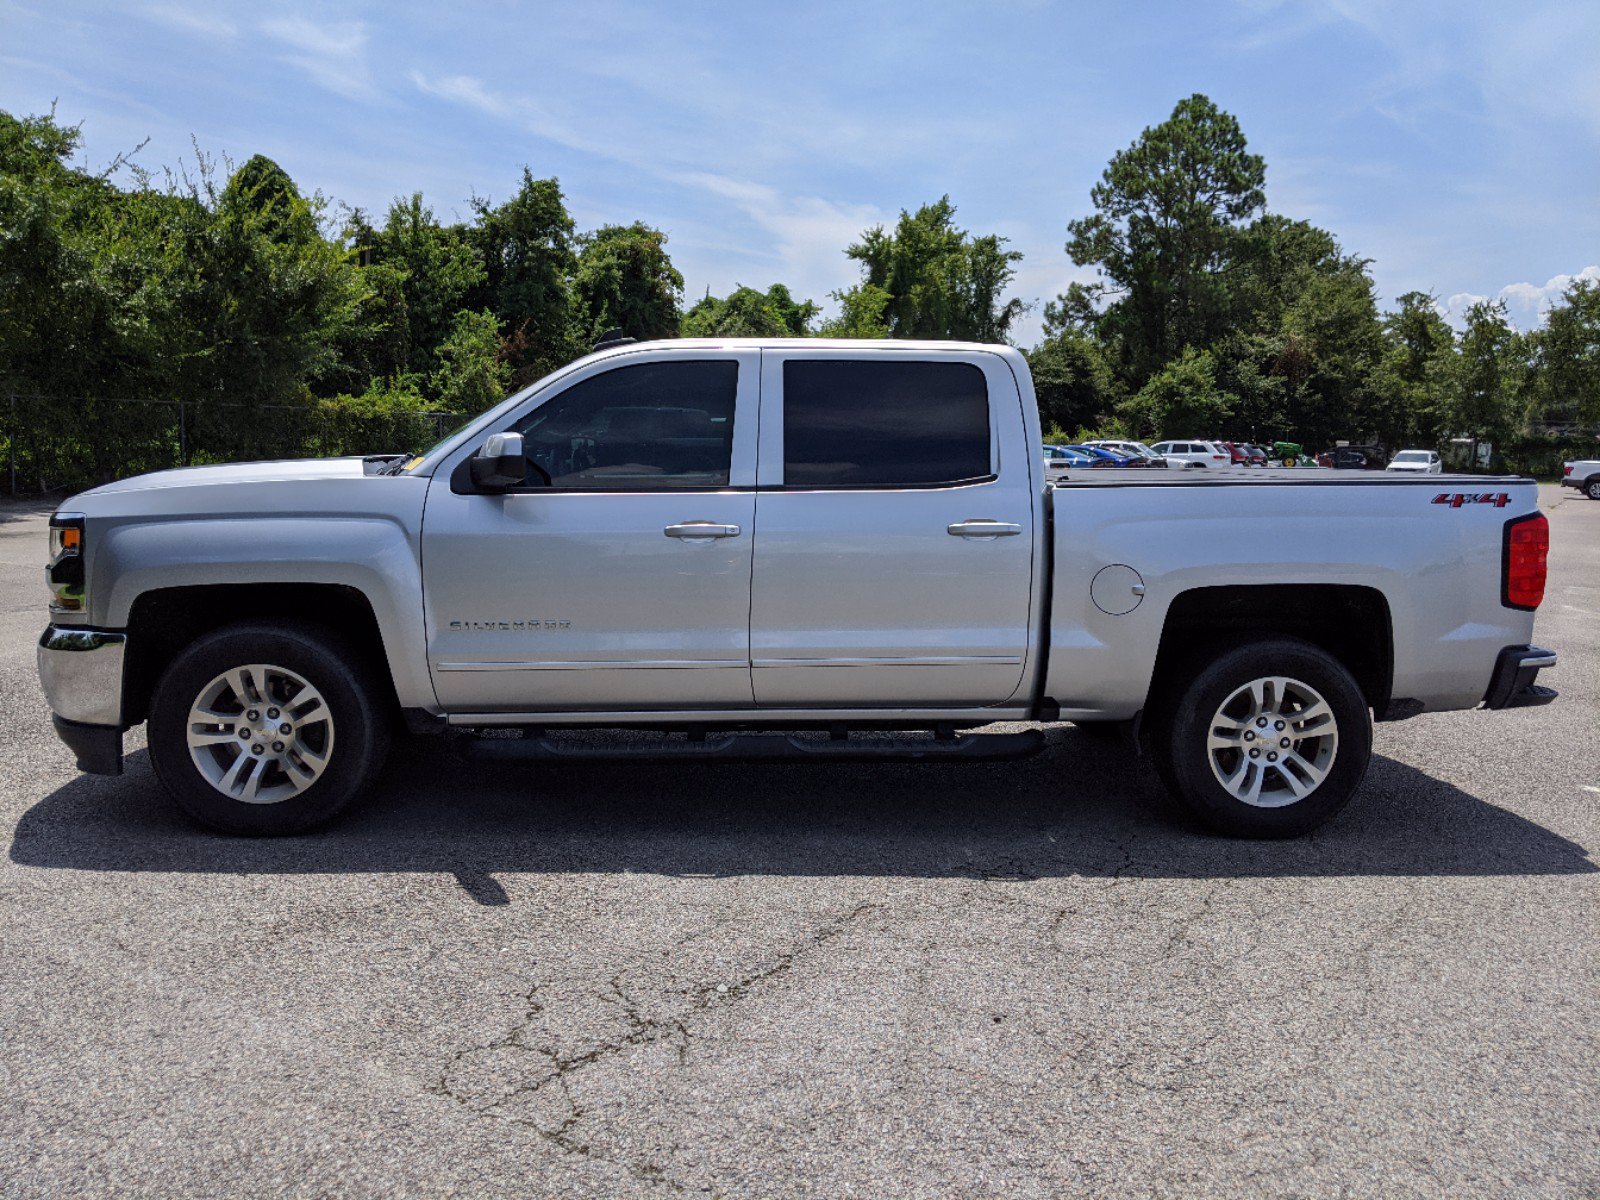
<point>758,747</point>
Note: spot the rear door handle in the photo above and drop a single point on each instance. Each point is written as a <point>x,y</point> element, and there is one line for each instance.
<point>701,529</point>
<point>984,529</point>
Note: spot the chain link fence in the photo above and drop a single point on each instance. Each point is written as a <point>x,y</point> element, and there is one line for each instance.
<point>54,443</point>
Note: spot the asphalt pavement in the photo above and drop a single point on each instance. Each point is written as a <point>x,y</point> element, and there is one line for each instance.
<point>1010,979</point>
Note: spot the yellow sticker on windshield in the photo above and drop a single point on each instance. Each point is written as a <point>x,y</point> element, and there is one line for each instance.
<point>412,462</point>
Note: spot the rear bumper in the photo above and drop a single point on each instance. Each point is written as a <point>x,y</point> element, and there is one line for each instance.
<point>1512,685</point>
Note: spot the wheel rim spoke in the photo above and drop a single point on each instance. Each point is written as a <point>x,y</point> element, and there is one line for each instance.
<point>260,733</point>
<point>1272,741</point>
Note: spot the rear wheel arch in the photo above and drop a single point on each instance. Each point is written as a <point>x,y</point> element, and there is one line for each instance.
<point>1350,622</point>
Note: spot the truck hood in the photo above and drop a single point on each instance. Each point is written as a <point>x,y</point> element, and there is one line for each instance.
<point>289,471</point>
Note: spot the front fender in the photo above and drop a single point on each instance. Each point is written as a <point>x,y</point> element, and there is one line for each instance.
<point>373,554</point>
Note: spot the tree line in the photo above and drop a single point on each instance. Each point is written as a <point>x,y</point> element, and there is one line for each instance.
<point>285,325</point>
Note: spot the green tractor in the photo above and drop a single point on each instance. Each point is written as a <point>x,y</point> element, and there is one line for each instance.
<point>1291,454</point>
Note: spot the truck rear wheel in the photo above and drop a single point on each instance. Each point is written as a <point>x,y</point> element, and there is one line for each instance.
<point>265,729</point>
<point>1268,739</point>
<point>1592,488</point>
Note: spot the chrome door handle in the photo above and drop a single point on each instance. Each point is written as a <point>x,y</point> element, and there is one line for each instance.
<point>701,529</point>
<point>984,529</point>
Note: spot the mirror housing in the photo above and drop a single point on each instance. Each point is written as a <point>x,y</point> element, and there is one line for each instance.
<point>501,464</point>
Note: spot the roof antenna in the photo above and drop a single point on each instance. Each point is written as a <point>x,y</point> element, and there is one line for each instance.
<point>613,337</point>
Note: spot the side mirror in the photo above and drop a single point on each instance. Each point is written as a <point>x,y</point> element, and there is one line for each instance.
<point>501,464</point>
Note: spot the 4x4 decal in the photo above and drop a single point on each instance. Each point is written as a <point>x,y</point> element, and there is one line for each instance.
<point>1457,499</point>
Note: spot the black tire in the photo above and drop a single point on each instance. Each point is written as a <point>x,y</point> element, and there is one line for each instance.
<point>1182,726</point>
<point>1592,488</point>
<point>360,727</point>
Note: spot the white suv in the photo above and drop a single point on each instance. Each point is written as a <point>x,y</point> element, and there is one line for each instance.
<point>1416,462</point>
<point>1195,454</point>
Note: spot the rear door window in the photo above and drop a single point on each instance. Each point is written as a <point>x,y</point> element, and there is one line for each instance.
<point>865,424</point>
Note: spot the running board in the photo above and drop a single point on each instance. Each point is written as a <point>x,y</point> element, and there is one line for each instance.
<point>759,747</point>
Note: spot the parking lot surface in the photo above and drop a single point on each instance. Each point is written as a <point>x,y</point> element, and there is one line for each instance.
<point>1019,979</point>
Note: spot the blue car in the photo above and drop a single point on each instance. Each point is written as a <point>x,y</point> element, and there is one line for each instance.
<point>1101,458</point>
<point>1061,457</point>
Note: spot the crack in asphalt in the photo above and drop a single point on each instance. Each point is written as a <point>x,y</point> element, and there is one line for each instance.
<point>640,1030</point>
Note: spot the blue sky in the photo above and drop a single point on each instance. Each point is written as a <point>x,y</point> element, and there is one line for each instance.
<point>1458,146</point>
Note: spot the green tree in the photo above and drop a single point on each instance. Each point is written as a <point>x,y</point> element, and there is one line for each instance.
<point>863,313</point>
<point>265,188</point>
<point>1415,376</point>
<point>526,246</point>
<point>471,376</point>
<point>745,312</point>
<point>1567,358</point>
<point>941,281</point>
<point>1072,381</point>
<point>1491,374</point>
<point>1168,214</point>
<point>1183,399</point>
<point>439,267</point>
<point>625,280</point>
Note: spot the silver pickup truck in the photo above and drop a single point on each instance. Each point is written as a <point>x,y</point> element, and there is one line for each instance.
<point>764,548</point>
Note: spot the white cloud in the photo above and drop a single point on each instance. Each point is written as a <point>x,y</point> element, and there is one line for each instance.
<point>809,232</point>
<point>1526,303</point>
<point>333,55</point>
<point>462,89</point>
<point>197,22</point>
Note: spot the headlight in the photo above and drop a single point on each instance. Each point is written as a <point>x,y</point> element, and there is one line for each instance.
<point>65,571</point>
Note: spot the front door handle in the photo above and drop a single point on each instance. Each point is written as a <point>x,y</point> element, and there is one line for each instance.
<point>985,529</point>
<point>701,529</point>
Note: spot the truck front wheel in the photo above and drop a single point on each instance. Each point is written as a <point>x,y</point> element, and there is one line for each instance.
<point>265,729</point>
<point>1267,740</point>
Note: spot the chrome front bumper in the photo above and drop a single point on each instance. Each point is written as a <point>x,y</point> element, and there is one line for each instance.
<point>81,671</point>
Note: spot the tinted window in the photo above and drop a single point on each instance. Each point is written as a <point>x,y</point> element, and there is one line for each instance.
<point>639,428</point>
<point>883,424</point>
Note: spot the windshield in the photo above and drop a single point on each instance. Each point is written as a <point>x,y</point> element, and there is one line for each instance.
<point>1412,456</point>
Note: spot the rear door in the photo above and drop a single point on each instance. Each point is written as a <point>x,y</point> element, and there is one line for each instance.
<point>895,516</point>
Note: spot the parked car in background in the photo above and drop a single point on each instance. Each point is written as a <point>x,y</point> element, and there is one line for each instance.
<point>1194,454</point>
<point>1238,455</point>
<point>1583,474</point>
<point>1131,449</point>
<point>1105,458</point>
<point>1417,462</point>
<point>1352,458</point>
<point>1059,458</point>
<point>1258,456</point>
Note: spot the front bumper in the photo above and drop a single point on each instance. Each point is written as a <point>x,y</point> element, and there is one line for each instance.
<point>81,672</point>
<point>1512,685</point>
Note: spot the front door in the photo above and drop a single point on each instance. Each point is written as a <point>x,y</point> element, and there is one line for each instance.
<point>619,577</point>
<point>894,561</point>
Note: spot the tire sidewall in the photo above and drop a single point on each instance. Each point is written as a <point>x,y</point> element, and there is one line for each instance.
<point>1592,489</point>
<point>1188,761</point>
<point>360,735</point>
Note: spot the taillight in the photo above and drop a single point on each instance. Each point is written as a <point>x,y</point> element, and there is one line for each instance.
<point>1566,469</point>
<point>1522,561</point>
